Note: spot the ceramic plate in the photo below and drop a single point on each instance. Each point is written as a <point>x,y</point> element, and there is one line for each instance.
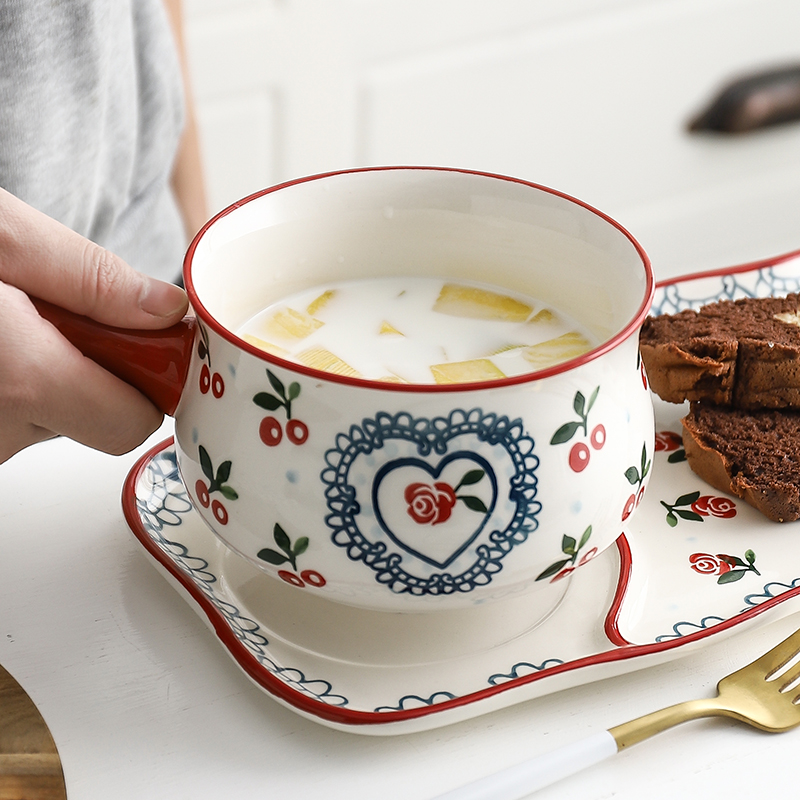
<point>693,566</point>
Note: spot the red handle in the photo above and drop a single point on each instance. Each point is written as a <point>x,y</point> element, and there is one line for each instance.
<point>154,361</point>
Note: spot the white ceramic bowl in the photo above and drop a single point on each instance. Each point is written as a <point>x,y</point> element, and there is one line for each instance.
<point>311,485</point>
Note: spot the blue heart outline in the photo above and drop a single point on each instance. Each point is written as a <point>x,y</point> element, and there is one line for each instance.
<point>429,435</point>
<point>434,472</point>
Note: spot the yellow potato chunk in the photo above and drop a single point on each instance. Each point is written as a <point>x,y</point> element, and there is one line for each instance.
<point>286,323</point>
<point>545,315</point>
<point>320,302</point>
<point>506,348</point>
<point>320,358</point>
<point>475,303</point>
<point>564,347</point>
<point>267,347</point>
<point>479,369</point>
<point>387,329</point>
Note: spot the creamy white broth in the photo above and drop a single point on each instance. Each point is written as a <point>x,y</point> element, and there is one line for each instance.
<point>417,330</point>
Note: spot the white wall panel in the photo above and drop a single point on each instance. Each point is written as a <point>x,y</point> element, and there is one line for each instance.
<point>589,96</point>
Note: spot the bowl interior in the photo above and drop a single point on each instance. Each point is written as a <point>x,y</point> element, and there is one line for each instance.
<point>451,224</point>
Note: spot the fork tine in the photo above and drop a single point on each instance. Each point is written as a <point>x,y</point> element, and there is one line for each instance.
<point>779,656</point>
<point>790,677</point>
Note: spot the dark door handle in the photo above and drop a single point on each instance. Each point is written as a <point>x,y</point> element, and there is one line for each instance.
<point>756,101</point>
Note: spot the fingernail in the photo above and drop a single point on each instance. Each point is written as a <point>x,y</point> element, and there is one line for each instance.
<point>161,299</point>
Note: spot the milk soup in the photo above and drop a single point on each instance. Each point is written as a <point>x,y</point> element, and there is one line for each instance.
<point>416,330</point>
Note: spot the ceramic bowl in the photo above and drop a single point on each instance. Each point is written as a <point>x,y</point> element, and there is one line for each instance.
<point>402,497</point>
<point>345,486</point>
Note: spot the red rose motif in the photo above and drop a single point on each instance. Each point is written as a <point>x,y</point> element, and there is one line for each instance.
<point>668,441</point>
<point>430,504</point>
<point>708,505</point>
<point>707,564</point>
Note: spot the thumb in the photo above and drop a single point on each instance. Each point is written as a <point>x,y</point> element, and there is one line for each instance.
<point>46,259</point>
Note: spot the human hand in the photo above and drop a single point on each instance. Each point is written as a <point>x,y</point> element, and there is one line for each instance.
<point>47,387</point>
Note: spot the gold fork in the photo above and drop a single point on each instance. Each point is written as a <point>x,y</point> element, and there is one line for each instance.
<point>764,694</point>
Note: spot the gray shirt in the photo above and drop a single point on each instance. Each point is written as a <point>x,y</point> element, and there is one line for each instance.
<point>91,111</point>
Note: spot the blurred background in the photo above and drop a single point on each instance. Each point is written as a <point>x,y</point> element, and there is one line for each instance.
<point>591,97</point>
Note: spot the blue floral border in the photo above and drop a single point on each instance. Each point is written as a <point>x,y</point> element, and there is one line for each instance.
<point>165,506</point>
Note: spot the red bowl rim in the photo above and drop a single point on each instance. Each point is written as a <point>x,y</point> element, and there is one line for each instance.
<point>208,319</point>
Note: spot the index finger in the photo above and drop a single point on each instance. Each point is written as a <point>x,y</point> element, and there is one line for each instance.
<point>46,259</point>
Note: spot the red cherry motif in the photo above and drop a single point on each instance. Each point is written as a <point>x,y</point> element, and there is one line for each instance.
<point>219,512</point>
<point>598,437</point>
<point>205,379</point>
<point>307,576</point>
<point>629,506</point>
<point>313,578</point>
<point>579,457</point>
<point>217,385</point>
<point>270,431</point>
<point>296,431</point>
<point>290,577</point>
<point>281,396</point>
<point>201,490</point>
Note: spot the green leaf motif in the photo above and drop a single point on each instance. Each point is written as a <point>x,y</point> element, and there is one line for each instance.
<point>687,499</point>
<point>692,516</point>
<point>632,474</point>
<point>271,557</point>
<point>734,561</point>
<point>672,520</point>
<point>579,404</point>
<point>267,401</point>
<point>592,399</point>
<point>568,545</point>
<point>277,384</point>
<point>565,432</point>
<point>294,390</point>
<point>228,493</point>
<point>473,476</point>
<point>733,575</point>
<point>223,472</point>
<point>750,556</point>
<point>585,538</point>
<point>300,546</point>
<point>205,463</point>
<point>553,569</point>
<point>282,539</point>
<point>677,457</point>
<point>473,503</point>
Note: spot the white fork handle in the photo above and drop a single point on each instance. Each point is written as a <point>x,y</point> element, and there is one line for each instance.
<point>522,779</point>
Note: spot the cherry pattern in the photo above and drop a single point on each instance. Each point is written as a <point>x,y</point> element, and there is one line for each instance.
<point>580,454</point>
<point>270,430</point>
<point>571,549</point>
<point>287,553</point>
<point>209,381</point>
<point>636,476</point>
<point>217,482</point>
<point>642,370</point>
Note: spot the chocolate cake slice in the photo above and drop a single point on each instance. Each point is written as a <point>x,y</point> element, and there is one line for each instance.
<point>743,353</point>
<point>752,455</point>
